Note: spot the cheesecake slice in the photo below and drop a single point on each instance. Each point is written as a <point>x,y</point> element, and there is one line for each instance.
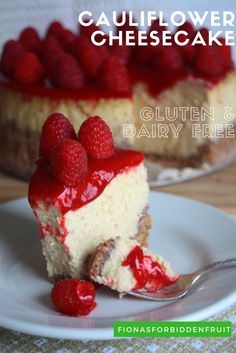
<point>79,208</point>
<point>123,265</point>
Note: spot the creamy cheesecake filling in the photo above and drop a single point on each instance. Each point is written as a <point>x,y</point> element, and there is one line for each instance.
<point>109,265</point>
<point>68,238</point>
<point>28,111</point>
<point>188,93</point>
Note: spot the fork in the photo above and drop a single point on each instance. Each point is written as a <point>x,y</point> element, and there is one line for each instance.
<point>184,283</point>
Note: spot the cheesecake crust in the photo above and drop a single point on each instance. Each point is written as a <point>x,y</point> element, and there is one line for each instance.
<point>18,151</point>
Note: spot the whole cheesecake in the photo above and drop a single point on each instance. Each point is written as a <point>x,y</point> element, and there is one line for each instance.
<point>65,72</point>
<point>82,196</point>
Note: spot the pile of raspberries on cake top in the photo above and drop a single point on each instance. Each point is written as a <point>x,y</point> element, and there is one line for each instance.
<point>70,61</point>
<point>66,153</point>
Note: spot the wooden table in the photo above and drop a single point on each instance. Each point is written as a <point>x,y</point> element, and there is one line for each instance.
<point>217,189</point>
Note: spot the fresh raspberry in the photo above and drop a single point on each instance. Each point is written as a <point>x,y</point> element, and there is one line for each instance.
<point>121,52</point>
<point>169,58</point>
<point>11,50</point>
<point>156,26</point>
<point>90,60</point>
<point>55,129</point>
<point>127,27</point>
<point>207,61</point>
<point>225,53</point>
<point>96,137</point>
<point>146,55</point>
<point>74,297</point>
<point>205,34</point>
<point>28,69</point>
<point>103,52</point>
<point>69,163</point>
<point>50,43</point>
<point>187,51</point>
<point>187,27</point>
<point>30,39</point>
<point>88,30</point>
<point>67,38</point>
<point>50,57</point>
<point>80,44</point>
<point>114,77</point>
<point>67,74</point>
<point>55,29</point>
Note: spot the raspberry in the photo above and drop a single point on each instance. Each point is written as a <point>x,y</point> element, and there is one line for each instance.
<point>50,57</point>
<point>205,34</point>
<point>169,58</point>
<point>187,27</point>
<point>69,163</point>
<point>74,297</point>
<point>89,59</point>
<point>55,129</point>
<point>225,52</point>
<point>120,52</point>
<point>207,61</point>
<point>79,45</point>
<point>114,77</point>
<point>11,50</point>
<point>88,30</point>
<point>67,38</point>
<point>55,29</point>
<point>96,137</point>
<point>67,74</point>
<point>127,27</point>
<point>187,51</point>
<point>28,69</point>
<point>156,26</point>
<point>30,39</point>
<point>50,43</point>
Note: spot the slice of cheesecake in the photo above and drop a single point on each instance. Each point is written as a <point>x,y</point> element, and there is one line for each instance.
<point>123,264</point>
<point>82,200</point>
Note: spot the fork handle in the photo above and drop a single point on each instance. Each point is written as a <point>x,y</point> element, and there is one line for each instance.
<point>217,266</point>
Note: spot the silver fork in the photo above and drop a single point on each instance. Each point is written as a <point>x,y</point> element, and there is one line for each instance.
<point>184,283</point>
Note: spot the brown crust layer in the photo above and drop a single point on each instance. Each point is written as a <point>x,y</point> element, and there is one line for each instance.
<point>18,151</point>
<point>97,260</point>
<point>213,153</point>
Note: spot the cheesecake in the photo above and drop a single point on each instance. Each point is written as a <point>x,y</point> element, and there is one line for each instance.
<point>172,103</point>
<point>124,265</point>
<point>84,191</point>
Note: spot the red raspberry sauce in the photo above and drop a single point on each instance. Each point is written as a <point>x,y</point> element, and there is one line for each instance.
<point>100,173</point>
<point>148,273</point>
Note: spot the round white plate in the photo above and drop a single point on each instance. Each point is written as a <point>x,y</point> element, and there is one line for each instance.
<point>187,233</point>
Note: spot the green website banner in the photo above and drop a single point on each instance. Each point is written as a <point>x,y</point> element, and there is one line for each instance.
<point>173,329</point>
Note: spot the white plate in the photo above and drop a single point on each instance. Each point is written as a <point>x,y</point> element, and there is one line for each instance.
<point>187,233</point>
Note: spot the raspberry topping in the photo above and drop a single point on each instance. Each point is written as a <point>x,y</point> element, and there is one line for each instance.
<point>55,29</point>
<point>30,39</point>
<point>121,52</point>
<point>69,163</point>
<point>113,76</point>
<point>74,297</point>
<point>169,58</point>
<point>207,61</point>
<point>66,73</point>
<point>67,39</point>
<point>56,129</point>
<point>11,50</point>
<point>28,69</point>
<point>225,52</point>
<point>187,27</point>
<point>90,59</point>
<point>149,274</point>
<point>96,137</point>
